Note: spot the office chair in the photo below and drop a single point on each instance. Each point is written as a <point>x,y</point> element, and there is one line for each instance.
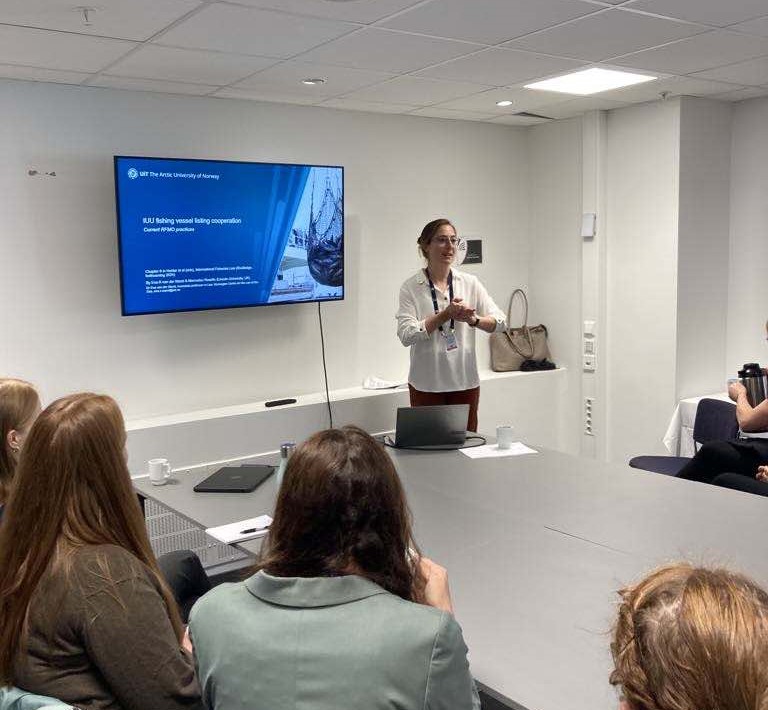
<point>185,577</point>
<point>715,421</point>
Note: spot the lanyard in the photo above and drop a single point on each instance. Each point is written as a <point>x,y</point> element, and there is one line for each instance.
<point>434,294</point>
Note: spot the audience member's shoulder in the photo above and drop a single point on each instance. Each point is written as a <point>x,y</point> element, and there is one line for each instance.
<point>110,564</point>
<point>222,599</point>
<point>411,615</point>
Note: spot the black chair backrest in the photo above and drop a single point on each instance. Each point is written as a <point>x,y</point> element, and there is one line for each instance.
<point>715,421</point>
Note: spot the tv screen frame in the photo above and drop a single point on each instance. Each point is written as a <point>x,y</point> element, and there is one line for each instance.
<point>211,163</point>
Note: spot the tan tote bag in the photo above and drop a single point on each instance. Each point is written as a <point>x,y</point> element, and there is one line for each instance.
<point>513,346</point>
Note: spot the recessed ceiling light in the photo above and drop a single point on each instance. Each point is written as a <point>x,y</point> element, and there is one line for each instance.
<point>505,102</point>
<point>590,81</point>
<point>313,82</point>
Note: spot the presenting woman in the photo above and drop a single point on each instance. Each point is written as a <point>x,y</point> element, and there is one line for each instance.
<point>440,310</point>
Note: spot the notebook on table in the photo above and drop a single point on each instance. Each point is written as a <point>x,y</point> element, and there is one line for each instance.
<point>235,479</point>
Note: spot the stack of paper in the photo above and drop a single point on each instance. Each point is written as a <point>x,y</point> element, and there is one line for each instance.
<point>493,451</point>
<point>242,530</point>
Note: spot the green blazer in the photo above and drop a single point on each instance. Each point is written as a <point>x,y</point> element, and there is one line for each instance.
<point>326,643</point>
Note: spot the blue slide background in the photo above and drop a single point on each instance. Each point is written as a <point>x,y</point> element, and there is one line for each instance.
<point>265,197</point>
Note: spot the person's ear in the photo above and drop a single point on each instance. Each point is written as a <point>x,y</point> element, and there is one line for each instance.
<point>624,704</point>
<point>13,441</point>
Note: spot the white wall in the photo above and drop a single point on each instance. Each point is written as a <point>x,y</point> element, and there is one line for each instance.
<point>555,255</point>
<point>638,351</point>
<point>58,275</point>
<point>748,285</point>
<point>703,225</point>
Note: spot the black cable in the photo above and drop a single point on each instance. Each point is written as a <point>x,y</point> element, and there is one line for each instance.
<point>325,370</point>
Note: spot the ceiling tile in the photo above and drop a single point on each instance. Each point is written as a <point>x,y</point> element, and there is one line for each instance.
<point>370,106</point>
<point>190,65</point>
<point>385,50</point>
<point>704,51</point>
<point>244,30</point>
<point>437,112</point>
<point>269,96</point>
<point>364,12</point>
<point>488,21</point>
<point>9,71</point>
<point>576,107</point>
<point>605,35</point>
<point>416,90</point>
<point>58,50</point>
<point>673,86</point>
<point>519,120</point>
<point>166,87</point>
<point>523,100</point>
<point>712,12</point>
<point>754,27</point>
<point>501,67</point>
<point>287,76</point>
<point>136,20</point>
<point>743,94</point>
<point>753,72</point>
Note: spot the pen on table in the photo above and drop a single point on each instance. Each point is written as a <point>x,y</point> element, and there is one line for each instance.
<point>253,530</point>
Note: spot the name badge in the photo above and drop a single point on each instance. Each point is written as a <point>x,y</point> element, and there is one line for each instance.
<point>450,341</point>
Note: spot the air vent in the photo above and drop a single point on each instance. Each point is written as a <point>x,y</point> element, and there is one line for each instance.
<point>528,114</point>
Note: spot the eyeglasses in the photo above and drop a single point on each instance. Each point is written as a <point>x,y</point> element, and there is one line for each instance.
<point>445,241</point>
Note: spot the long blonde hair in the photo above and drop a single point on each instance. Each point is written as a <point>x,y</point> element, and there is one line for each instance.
<point>19,402</point>
<point>689,638</point>
<point>72,489</point>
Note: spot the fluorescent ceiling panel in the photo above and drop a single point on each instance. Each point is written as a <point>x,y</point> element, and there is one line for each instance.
<point>590,81</point>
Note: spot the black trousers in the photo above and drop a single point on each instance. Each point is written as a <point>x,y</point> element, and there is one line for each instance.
<point>741,483</point>
<point>186,578</point>
<point>740,457</point>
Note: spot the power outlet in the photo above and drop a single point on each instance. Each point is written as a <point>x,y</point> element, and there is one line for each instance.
<point>589,406</point>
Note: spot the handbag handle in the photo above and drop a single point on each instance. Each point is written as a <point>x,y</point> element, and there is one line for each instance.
<point>524,327</point>
<point>511,303</point>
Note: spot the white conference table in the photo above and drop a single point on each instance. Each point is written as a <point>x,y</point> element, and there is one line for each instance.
<point>536,547</point>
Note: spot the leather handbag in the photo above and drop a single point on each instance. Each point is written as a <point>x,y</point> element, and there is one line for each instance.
<point>511,347</point>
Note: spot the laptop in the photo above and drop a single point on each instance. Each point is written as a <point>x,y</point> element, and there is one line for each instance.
<point>235,479</point>
<point>442,426</point>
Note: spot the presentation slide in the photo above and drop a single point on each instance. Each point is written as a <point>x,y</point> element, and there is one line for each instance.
<point>200,234</point>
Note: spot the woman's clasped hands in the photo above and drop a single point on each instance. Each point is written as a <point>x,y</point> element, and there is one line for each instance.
<point>458,311</point>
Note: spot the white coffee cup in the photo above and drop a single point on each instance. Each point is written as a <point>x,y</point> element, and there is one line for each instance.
<point>504,436</point>
<point>159,471</point>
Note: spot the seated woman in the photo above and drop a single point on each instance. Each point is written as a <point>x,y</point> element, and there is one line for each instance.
<point>689,638</point>
<point>738,457</point>
<point>19,405</point>
<point>341,612</point>
<point>84,614</point>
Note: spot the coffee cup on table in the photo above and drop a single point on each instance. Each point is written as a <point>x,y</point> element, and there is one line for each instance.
<point>504,436</point>
<point>159,471</point>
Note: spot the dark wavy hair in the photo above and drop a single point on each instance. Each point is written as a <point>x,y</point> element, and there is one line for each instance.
<point>342,510</point>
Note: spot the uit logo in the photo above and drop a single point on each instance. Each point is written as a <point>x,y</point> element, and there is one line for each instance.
<point>133,173</point>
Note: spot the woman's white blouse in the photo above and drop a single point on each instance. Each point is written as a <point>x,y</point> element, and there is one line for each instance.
<point>433,368</point>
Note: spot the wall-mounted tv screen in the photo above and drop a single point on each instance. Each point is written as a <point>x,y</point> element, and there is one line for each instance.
<point>202,234</point>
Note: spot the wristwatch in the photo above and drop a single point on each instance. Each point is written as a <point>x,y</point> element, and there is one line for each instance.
<point>475,324</point>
